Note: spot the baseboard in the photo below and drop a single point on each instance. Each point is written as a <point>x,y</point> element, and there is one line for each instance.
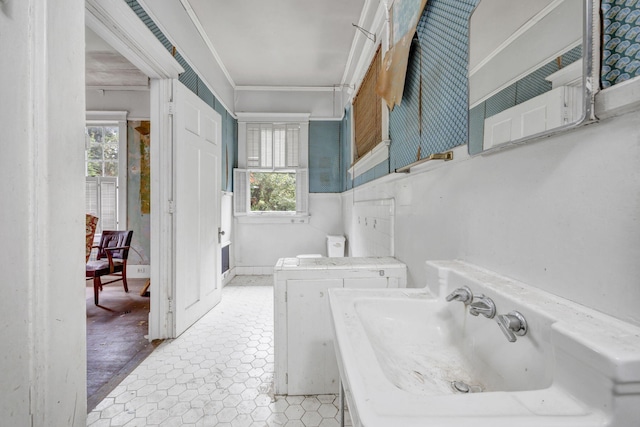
<point>138,271</point>
<point>228,276</point>
<point>254,271</point>
<point>143,272</point>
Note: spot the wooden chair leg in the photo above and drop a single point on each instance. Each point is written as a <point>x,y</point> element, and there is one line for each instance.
<point>97,284</point>
<point>145,288</point>
<point>124,278</point>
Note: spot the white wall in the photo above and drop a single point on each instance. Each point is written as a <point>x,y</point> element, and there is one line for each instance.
<point>258,246</point>
<point>135,103</point>
<point>372,228</point>
<point>43,320</point>
<point>561,214</point>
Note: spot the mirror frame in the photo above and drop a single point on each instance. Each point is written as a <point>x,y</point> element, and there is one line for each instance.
<point>590,82</point>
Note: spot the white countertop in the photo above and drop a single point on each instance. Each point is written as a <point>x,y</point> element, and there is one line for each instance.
<point>337,263</point>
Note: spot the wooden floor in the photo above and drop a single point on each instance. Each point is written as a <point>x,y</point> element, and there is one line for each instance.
<point>116,332</point>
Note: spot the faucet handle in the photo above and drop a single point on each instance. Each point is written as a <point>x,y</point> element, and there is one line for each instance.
<point>512,324</point>
<point>482,305</point>
<point>462,294</point>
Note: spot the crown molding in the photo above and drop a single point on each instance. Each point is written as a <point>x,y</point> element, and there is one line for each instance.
<point>196,22</point>
<point>113,116</point>
<point>290,88</point>
<point>273,117</point>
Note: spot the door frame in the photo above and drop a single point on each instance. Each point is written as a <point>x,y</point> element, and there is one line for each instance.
<point>119,26</point>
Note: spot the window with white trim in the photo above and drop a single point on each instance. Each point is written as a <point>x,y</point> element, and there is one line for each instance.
<point>272,178</point>
<point>106,169</point>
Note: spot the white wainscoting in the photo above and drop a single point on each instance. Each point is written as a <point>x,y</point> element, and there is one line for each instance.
<point>373,221</point>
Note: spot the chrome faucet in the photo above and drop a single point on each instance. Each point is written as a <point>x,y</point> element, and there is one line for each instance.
<point>462,294</point>
<point>512,324</point>
<point>482,305</point>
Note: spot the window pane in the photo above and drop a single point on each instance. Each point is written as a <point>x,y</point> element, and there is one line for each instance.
<point>266,146</point>
<point>95,133</point>
<point>102,167</point>
<point>110,168</point>
<point>253,146</point>
<point>94,152</point>
<point>94,168</point>
<point>272,191</point>
<point>279,146</point>
<point>91,195</point>
<point>110,151</point>
<point>293,141</point>
<point>111,134</point>
<point>108,205</point>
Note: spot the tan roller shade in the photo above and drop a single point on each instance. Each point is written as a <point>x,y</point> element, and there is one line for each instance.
<point>367,111</point>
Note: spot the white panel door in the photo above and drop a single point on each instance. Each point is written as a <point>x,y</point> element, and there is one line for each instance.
<point>548,111</point>
<point>197,195</point>
<point>312,365</point>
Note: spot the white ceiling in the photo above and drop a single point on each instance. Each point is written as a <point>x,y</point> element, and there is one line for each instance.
<point>279,43</point>
<point>255,55</point>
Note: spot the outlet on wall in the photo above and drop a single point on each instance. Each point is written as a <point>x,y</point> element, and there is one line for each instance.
<point>138,271</point>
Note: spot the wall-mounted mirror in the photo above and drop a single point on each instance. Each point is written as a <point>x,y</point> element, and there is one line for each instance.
<point>529,62</point>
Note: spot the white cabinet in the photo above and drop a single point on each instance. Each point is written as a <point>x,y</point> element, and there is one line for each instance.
<point>310,353</point>
<point>305,361</point>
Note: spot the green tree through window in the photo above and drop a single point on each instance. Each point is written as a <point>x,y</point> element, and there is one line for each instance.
<point>102,150</point>
<point>273,191</point>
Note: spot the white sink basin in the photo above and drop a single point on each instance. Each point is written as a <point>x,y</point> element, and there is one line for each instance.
<point>400,351</point>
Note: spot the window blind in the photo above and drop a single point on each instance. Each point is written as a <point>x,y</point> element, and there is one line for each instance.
<point>367,111</point>
<point>102,201</point>
<point>272,146</point>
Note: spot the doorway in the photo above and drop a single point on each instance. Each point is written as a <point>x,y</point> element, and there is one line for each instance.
<point>117,147</point>
<point>185,135</point>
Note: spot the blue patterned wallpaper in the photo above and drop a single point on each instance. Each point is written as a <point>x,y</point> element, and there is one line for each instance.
<point>620,41</point>
<point>378,171</point>
<point>324,157</point>
<point>433,114</point>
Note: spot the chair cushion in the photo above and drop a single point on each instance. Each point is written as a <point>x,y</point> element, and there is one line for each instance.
<point>101,268</point>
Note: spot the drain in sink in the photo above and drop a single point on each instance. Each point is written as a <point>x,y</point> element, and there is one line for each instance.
<point>462,387</point>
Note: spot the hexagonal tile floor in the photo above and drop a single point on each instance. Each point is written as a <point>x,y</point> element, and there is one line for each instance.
<point>217,373</point>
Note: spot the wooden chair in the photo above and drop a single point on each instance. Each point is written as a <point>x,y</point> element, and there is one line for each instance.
<point>114,246</point>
